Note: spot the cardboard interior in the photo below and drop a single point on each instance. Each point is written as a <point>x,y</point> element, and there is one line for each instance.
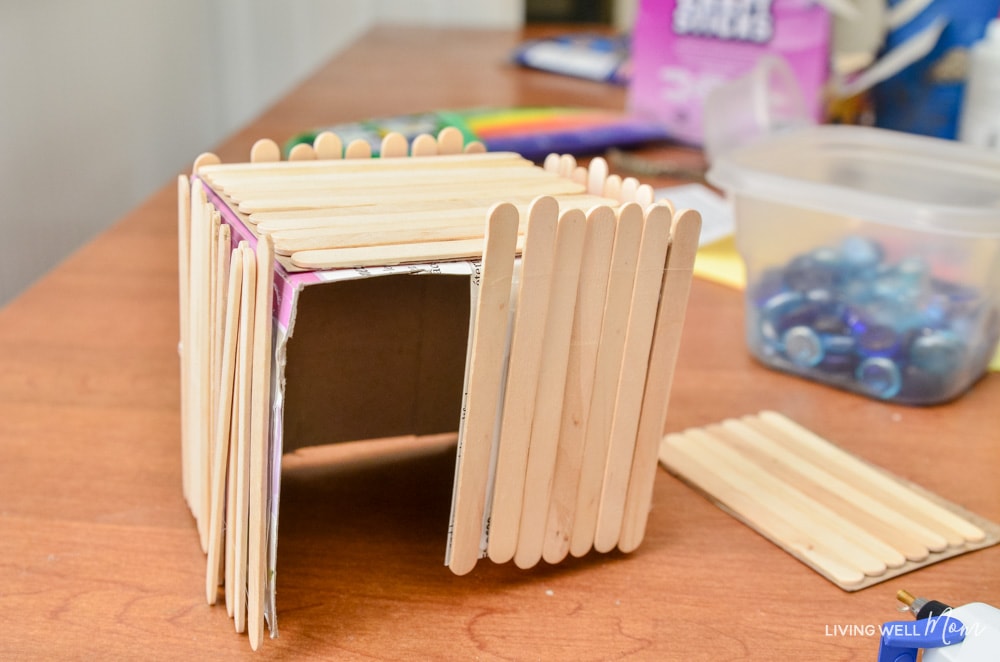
<point>376,357</point>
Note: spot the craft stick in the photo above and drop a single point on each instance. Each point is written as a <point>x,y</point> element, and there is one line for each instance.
<point>242,445</point>
<point>474,147</point>
<point>846,491</point>
<point>544,440</point>
<point>201,276</point>
<point>609,356</point>
<point>204,159</point>
<point>393,145</point>
<point>644,195</point>
<point>234,431</point>
<point>613,188</point>
<point>416,193</point>
<point>424,145</point>
<point>852,543</point>
<point>579,175</point>
<point>328,146</point>
<point>391,254</point>
<point>450,140</point>
<point>260,447</point>
<point>522,377</point>
<point>465,160</point>
<point>223,424</point>
<point>831,511</point>
<point>392,216</point>
<point>567,164</point>
<point>265,150</point>
<point>183,287</point>
<point>743,502</point>
<point>629,187</point>
<point>302,152</point>
<point>597,173</point>
<point>205,461</point>
<point>307,218</point>
<point>684,235</point>
<point>220,273</point>
<point>375,182</point>
<point>632,379</point>
<point>358,149</point>
<point>486,368</point>
<point>551,163</point>
<point>812,447</point>
<point>586,334</point>
<point>907,546</point>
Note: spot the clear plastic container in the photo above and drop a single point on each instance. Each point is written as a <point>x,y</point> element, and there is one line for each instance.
<point>872,258</point>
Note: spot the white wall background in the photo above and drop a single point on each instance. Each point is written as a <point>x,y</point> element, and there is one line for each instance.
<point>102,101</point>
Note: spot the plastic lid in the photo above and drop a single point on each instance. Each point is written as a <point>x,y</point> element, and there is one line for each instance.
<point>882,176</point>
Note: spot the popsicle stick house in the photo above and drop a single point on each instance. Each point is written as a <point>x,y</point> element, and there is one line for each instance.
<point>332,297</point>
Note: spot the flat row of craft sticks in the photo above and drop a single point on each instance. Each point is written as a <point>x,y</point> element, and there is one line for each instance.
<point>568,421</point>
<point>333,213</point>
<point>848,520</point>
<point>226,312</point>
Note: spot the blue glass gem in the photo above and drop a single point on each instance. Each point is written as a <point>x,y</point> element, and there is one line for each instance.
<point>859,253</point>
<point>803,346</point>
<point>878,340</point>
<point>937,352</point>
<point>879,376</point>
<point>806,273</point>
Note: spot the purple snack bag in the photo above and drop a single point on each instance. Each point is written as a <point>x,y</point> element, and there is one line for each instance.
<point>681,49</point>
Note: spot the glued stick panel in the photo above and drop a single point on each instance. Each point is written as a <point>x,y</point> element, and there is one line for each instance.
<point>771,474</point>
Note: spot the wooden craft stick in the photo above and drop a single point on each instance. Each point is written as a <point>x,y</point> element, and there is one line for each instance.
<point>205,452</point>
<point>265,150</point>
<point>486,369</point>
<point>522,377</point>
<point>474,147</point>
<point>580,175</point>
<point>499,190</point>
<point>832,512</point>
<point>544,439</point>
<point>902,540</point>
<point>597,173</point>
<point>632,379</point>
<point>358,149</point>
<point>204,159</point>
<point>183,287</point>
<point>744,498</point>
<point>684,234</point>
<point>393,146</point>
<point>630,185</point>
<point>450,140</point>
<point>328,146</point>
<point>424,145</point>
<point>223,424</point>
<point>201,277</point>
<point>586,334</point>
<point>242,445</point>
<point>551,163</point>
<point>812,447</point>
<point>268,169</point>
<point>609,357</point>
<point>613,188</point>
<point>355,183</point>
<point>302,152</point>
<point>311,218</point>
<point>644,195</point>
<point>234,431</point>
<point>390,254</point>
<point>260,447</point>
<point>567,164</point>
<point>847,491</point>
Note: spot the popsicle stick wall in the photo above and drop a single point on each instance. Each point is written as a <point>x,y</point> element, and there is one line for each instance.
<point>578,283</point>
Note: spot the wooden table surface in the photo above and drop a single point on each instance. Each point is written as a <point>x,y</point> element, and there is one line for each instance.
<point>99,557</point>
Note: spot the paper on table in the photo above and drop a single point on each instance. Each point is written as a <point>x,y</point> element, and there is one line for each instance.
<point>717,259</point>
